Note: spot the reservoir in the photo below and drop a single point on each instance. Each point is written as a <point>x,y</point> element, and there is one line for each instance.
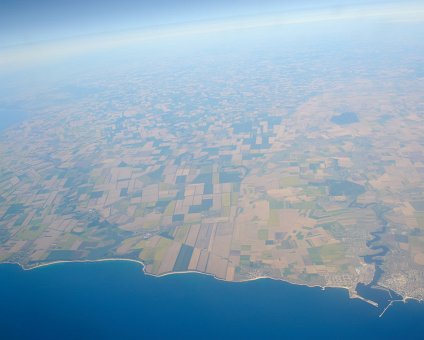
<point>115,299</point>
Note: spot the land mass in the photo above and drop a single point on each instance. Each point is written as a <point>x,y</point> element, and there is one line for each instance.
<point>230,178</point>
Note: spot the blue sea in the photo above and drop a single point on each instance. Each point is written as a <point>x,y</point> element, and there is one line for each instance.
<point>116,300</point>
<point>11,117</point>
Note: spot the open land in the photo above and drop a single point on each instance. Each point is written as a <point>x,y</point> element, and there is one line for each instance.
<point>254,173</point>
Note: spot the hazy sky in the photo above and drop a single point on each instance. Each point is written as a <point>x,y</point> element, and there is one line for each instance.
<point>23,21</point>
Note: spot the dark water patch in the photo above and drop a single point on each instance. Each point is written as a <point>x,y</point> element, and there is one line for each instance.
<point>344,188</point>
<point>114,300</point>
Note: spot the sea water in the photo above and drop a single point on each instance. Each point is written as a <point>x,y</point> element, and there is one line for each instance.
<point>115,299</point>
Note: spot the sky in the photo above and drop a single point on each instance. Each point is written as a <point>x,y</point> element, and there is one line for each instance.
<point>41,31</point>
<point>29,21</point>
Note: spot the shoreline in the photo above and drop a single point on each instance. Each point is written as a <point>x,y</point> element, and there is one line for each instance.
<point>352,294</point>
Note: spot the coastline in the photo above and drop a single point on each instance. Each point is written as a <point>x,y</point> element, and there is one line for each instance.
<point>352,294</point>
<point>112,299</point>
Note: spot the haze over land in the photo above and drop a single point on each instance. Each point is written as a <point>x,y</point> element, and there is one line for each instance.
<point>286,144</point>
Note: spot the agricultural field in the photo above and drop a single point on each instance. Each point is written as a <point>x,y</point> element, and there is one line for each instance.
<point>233,177</point>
